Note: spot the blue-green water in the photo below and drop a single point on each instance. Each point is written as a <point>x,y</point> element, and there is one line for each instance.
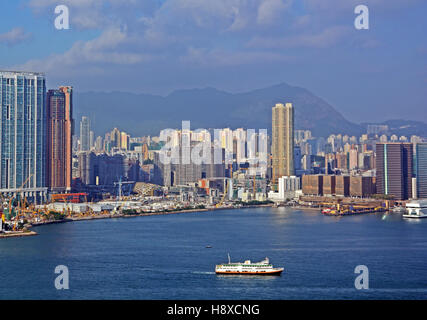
<point>165,257</point>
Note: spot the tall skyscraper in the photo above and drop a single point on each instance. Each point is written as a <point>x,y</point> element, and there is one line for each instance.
<point>240,136</point>
<point>85,134</point>
<point>394,169</point>
<point>99,147</point>
<point>23,133</point>
<point>116,138</point>
<point>283,141</point>
<point>421,169</point>
<point>59,137</point>
<point>124,144</point>
<point>91,140</point>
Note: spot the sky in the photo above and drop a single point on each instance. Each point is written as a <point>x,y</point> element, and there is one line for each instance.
<point>157,46</point>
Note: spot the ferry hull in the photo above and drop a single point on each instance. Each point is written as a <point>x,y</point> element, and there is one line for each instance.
<point>409,216</point>
<point>260,273</point>
<point>416,210</point>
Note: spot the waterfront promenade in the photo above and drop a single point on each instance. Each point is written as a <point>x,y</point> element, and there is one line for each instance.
<point>118,215</point>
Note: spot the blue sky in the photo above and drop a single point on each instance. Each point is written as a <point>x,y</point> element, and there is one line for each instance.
<point>156,46</point>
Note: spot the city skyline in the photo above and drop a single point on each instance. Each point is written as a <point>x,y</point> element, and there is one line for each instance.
<point>144,142</point>
<point>121,175</point>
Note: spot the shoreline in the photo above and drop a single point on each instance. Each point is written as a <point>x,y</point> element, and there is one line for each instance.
<point>121,215</point>
<point>146,214</point>
<point>18,234</point>
<point>301,208</point>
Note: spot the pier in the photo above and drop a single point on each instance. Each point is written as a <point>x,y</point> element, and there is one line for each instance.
<point>14,234</point>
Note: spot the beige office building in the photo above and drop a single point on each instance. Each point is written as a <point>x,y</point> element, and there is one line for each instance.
<point>282,141</point>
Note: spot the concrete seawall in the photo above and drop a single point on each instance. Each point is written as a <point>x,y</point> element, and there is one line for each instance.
<point>119,215</point>
<point>14,234</point>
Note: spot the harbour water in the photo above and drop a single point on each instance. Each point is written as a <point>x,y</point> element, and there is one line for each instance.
<point>165,257</point>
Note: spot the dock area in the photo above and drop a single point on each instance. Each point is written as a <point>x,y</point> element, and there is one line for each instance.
<point>90,215</point>
<point>14,234</point>
<point>342,206</point>
<point>335,213</point>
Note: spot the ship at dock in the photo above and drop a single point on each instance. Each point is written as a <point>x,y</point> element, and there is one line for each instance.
<point>248,268</point>
<point>416,209</point>
<point>350,209</point>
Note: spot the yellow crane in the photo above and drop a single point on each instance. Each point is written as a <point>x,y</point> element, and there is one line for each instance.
<point>254,188</point>
<point>219,204</point>
<point>18,213</point>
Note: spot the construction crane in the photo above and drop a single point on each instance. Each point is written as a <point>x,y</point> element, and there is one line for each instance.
<point>2,221</point>
<point>254,188</point>
<point>219,204</point>
<point>66,210</point>
<point>3,201</point>
<point>18,214</point>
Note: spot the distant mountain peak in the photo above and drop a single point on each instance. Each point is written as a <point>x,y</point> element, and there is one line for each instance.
<point>209,107</point>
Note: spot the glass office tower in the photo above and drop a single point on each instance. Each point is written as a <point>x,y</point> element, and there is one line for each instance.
<point>421,169</point>
<point>23,133</point>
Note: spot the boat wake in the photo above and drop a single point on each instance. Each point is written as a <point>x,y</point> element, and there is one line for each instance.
<point>202,272</point>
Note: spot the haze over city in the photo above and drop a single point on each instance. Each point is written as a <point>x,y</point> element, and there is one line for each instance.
<point>159,46</point>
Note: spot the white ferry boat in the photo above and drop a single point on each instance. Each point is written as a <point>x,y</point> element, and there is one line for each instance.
<point>416,209</point>
<point>248,268</point>
<point>398,209</point>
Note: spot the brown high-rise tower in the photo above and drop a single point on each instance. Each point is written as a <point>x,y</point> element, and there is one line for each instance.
<point>282,141</point>
<point>59,133</point>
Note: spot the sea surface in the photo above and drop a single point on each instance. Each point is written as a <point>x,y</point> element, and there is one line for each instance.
<point>165,257</point>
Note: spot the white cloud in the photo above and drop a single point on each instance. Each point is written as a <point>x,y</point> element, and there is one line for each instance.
<point>271,10</point>
<point>200,32</point>
<point>301,21</point>
<point>222,58</point>
<point>14,36</point>
<point>219,16</point>
<point>107,49</point>
<point>324,39</point>
<point>92,14</point>
<point>337,7</point>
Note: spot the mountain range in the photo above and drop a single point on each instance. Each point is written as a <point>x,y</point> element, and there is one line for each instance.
<point>143,114</point>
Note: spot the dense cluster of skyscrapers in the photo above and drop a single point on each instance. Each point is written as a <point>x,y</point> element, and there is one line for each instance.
<point>41,153</point>
<point>36,130</point>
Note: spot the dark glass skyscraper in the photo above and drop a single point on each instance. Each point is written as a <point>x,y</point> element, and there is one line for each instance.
<point>421,169</point>
<point>394,169</point>
<point>23,133</point>
<point>85,134</point>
